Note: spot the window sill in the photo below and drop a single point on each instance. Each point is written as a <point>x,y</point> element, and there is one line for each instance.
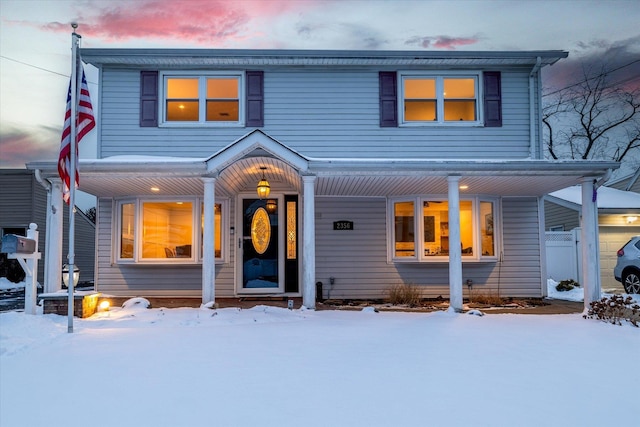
<point>441,124</point>
<point>201,125</point>
<point>442,260</point>
<point>181,263</point>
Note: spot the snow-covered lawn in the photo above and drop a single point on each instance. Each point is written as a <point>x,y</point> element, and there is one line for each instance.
<point>270,366</point>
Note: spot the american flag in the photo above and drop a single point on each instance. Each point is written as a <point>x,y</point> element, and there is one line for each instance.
<point>84,123</point>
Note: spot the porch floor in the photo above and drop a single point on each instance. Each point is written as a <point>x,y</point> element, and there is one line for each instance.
<point>548,307</point>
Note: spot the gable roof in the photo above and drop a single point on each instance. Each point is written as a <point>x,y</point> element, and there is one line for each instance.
<point>608,198</point>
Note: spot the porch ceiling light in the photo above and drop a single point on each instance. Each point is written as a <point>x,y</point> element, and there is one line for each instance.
<point>263,189</point>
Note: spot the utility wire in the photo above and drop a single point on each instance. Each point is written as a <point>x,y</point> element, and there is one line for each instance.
<point>34,66</point>
<point>39,68</point>
<point>594,77</point>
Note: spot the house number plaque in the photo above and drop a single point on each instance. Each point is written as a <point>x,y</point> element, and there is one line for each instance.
<point>343,225</point>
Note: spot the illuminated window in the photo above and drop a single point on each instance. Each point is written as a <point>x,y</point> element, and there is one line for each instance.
<point>436,227</point>
<point>164,231</point>
<point>222,100</point>
<point>440,99</point>
<point>167,230</point>
<point>404,229</point>
<point>217,229</point>
<point>127,229</point>
<point>182,100</point>
<point>487,230</point>
<point>203,99</point>
<point>292,233</point>
<point>477,235</point>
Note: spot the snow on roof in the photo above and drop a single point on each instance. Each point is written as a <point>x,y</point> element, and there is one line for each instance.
<point>608,198</point>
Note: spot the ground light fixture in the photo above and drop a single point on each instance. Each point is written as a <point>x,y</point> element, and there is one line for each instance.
<point>263,189</point>
<point>65,275</point>
<point>104,305</point>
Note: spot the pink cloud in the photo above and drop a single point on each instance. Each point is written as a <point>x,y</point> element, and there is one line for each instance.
<point>19,148</point>
<point>193,21</point>
<point>442,42</point>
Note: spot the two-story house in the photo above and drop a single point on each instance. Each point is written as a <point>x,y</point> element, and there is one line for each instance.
<point>226,173</point>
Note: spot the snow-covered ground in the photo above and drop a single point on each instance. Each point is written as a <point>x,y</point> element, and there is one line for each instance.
<point>268,366</point>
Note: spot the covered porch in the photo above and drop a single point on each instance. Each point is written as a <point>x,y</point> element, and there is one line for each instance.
<point>233,172</point>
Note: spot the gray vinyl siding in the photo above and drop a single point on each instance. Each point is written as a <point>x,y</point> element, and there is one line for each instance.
<point>152,280</point>
<point>85,246</point>
<point>317,113</point>
<point>357,259</point>
<point>556,215</point>
<point>24,201</point>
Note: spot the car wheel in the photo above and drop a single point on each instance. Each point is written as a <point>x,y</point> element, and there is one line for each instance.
<point>631,282</point>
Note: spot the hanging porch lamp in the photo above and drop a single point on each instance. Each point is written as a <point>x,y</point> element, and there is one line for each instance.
<point>263,189</point>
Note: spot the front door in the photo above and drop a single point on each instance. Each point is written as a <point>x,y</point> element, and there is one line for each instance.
<point>260,244</point>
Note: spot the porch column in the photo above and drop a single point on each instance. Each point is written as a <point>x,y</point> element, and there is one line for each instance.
<point>590,249</point>
<point>208,244</point>
<point>309,242</point>
<point>53,239</point>
<point>455,250</point>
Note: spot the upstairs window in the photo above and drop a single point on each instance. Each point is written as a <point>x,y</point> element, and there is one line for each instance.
<point>209,99</point>
<point>428,99</point>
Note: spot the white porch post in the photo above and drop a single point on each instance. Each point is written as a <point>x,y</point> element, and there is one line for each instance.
<point>309,242</point>
<point>54,235</point>
<point>208,244</point>
<point>590,249</point>
<point>455,250</point>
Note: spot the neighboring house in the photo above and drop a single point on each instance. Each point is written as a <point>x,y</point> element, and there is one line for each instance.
<point>385,168</point>
<point>618,221</point>
<point>629,182</point>
<point>25,201</point>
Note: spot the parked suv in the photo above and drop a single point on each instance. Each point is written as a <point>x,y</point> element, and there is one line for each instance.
<point>627,269</point>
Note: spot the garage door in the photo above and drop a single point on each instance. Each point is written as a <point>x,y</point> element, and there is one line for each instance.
<point>612,239</point>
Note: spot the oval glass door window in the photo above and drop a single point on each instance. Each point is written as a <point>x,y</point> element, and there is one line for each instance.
<point>260,230</point>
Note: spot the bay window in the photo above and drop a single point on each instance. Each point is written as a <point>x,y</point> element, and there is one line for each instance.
<point>421,229</point>
<point>161,231</point>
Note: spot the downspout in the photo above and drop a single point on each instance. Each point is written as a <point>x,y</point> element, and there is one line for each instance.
<point>532,108</point>
<point>47,241</point>
<point>599,183</point>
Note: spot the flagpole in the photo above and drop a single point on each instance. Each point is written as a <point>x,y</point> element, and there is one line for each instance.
<point>75,41</point>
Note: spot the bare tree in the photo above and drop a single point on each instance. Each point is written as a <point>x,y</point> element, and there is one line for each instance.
<point>592,120</point>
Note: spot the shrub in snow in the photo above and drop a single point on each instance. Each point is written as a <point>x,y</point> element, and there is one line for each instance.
<point>136,303</point>
<point>567,285</point>
<point>402,294</point>
<point>614,309</point>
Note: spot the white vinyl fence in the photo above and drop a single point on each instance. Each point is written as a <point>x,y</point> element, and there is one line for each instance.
<point>563,260</point>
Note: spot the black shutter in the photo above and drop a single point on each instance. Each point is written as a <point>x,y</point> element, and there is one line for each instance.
<point>388,99</point>
<point>148,98</point>
<point>255,98</point>
<point>492,99</point>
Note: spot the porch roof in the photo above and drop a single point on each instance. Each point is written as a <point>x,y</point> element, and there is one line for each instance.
<point>131,176</point>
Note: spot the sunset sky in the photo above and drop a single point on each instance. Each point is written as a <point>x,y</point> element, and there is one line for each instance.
<point>35,42</point>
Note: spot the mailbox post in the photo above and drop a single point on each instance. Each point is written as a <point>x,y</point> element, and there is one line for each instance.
<point>25,250</point>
